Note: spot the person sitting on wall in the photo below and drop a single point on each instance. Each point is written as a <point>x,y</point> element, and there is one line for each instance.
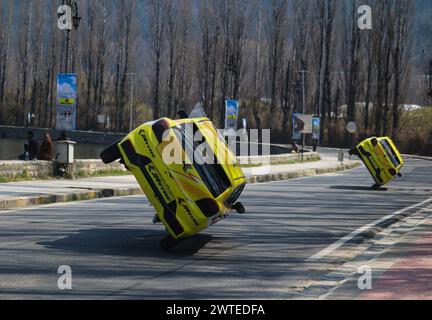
<point>46,149</point>
<point>25,156</point>
<point>295,147</point>
<point>31,148</point>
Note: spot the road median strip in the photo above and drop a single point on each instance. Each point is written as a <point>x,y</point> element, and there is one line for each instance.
<point>92,194</point>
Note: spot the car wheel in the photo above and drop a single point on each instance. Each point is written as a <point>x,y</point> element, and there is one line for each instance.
<point>239,208</point>
<point>353,152</point>
<point>376,186</point>
<point>111,154</point>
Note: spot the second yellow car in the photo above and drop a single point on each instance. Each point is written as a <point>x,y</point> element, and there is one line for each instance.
<point>381,157</point>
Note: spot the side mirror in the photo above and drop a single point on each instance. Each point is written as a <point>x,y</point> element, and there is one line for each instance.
<point>400,175</point>
<point>239,208</point>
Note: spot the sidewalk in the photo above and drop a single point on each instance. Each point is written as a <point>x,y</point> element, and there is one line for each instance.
<point>23,194</point>
<point>401,264</point>
<point>410,276</point>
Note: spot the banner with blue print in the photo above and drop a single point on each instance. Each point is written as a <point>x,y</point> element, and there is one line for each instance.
<point>231,117</point>
<point>297,127</point>
<point>66,102</point>
<point>302,124</point>
<point>316,129</point>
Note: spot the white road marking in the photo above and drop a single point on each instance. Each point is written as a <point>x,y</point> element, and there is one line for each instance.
<point>333,247</point>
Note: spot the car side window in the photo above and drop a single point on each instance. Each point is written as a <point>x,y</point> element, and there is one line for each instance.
<point>390,153</point>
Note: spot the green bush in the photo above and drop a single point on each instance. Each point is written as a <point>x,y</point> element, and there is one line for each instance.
<point>415,134</point>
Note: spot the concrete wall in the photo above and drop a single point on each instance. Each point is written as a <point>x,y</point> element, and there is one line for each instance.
<point>78,136</point>
<point>33,169</point>
<point>46,169</point>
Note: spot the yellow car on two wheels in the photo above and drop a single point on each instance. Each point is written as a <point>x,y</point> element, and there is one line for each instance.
<point>382,159</point>
<point>191,187</point>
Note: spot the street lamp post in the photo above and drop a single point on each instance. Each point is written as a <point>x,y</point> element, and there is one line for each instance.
<point>76,19</point>
<point>303,72</point>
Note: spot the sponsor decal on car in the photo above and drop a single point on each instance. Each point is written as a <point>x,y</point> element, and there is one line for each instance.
<point>143,135</point>
<point>154,173</point>
<point>182,203</point>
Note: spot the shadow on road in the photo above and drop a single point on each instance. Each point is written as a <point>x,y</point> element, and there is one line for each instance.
<point>357,188</point>
<point>126,242</point>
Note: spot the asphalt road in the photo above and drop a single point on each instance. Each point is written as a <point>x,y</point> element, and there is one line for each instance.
<point>112,246</point>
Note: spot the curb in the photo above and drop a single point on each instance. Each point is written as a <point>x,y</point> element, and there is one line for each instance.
<point>417,157</point>
<point>23,202</point>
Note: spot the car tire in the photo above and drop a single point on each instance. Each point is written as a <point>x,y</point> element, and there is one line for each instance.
<point>376,186</point>
<point>239,208</point>
<point>111,154</point>
<point>353,152</point>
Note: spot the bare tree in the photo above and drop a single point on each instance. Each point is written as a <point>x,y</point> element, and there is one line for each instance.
<point>368,66</point>
<point>381,54</point>
<point>123,60</point>
<point>183,76</point>
<point>257,74</point>
<point>157,25</point>
<point>405,11</point>
<point>276,29</point>
<point>37,55</point>
<point>23,49</point>
<point>101,57</point>
<point>88,59</point>
<point>208,54</point>
<point>351,62</point>
<point>5,36</point>
<point>232,17</point>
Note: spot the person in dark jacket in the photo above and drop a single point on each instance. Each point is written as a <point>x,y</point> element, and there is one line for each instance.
<point>33,145</point>
<point>46,150</point>
<point>31,148</point>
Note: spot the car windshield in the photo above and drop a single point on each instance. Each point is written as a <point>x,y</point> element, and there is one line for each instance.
<point>391,154</point>
<point>212,174</point>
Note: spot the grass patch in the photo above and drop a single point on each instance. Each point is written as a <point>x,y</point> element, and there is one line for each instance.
<point>103,173</point>
<point>24,176</point>
<point>286,162</point>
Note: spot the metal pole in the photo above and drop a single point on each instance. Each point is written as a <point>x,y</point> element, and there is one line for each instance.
<point>67,50</point>
<point>304,110</point>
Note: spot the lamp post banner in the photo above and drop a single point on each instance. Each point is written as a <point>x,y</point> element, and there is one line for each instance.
<point>302,124</point>
<point>66,102</point>
<point>231,116</point>
<point>316,128</point>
